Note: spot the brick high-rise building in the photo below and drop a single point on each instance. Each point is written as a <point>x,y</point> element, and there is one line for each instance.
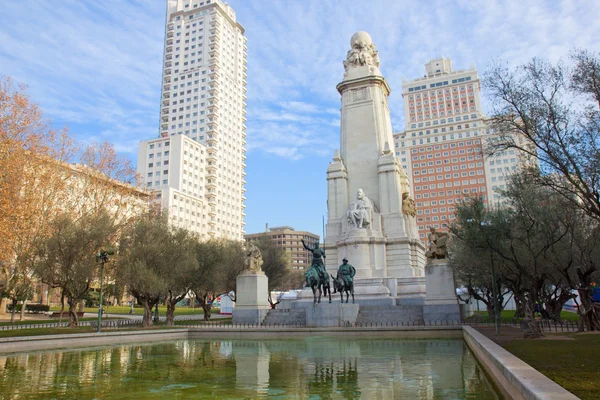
<point>442,147</point>
<point>204,99</point>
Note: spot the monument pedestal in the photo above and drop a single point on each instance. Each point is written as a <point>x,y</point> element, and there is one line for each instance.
<point>332,315</point>
<point>441,303</point>
<point>251,298</point>
<point>367,292</point>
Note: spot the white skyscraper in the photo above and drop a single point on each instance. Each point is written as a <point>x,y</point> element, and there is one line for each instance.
<point>203,100</point>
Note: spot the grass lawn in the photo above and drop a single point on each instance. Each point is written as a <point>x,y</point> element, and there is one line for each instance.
<point>50,320</point>
<point>162,310</point>
<point>510,314</point>
<point>573,364</point>
<point>45,331</point>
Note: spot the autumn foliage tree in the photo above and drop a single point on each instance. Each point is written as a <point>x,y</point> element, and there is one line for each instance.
<point>29,184</point>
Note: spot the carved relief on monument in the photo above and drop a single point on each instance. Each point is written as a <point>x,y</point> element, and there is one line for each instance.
<point>362,53</point>
<point>359,94</point>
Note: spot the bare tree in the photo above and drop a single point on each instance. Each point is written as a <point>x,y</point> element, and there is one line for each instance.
<point>551,113</point>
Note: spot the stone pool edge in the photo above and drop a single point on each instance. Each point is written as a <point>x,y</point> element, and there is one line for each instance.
<point>19,344</point>
<point>513,377</point>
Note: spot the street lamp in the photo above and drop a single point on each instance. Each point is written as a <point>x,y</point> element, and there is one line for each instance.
<point>102,258</point>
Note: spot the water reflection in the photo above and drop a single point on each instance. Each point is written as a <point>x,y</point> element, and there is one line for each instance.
<point>317,367</point>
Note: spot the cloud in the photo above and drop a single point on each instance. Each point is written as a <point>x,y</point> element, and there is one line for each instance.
<point>96,66</point>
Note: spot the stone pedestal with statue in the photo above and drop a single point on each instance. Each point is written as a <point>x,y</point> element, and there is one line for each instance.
<point>252,290</point>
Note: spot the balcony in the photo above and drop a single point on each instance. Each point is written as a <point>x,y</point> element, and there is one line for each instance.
<point>169,35</point>
<point>211,129</point>
<point>212,211</point>
<point>211,184</point>
<point>214,73</point>
<point>212,139</point>
<point>211,156</point>
<point>169,49</point>
<point>168,71</point>
<point>169,42</point>
<point>165,111</point>
<point>165,118</point>
<point>165,102</point>
<point>164,133</point>
<point>169,57</point>
<point>214,51</point>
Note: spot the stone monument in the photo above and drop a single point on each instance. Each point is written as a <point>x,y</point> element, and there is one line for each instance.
<point>252,289</point>
<point>441,302</point>
<point>371,216</point>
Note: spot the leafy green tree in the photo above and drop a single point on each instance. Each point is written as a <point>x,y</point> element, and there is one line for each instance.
<point>218,263</point>
<point>67,259</point>
<point>155,261</point>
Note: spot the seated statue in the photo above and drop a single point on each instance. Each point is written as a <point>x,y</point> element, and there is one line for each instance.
<point>437,244</point>
<point>253,258</point>
<point>359,214</point>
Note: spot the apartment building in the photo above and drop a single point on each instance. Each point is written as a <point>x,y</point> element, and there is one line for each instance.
<point>442,148</point>
<point>202,120</point>
<point>290,240</point>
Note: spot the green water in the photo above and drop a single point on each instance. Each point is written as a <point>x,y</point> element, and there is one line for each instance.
<point>311,368</point>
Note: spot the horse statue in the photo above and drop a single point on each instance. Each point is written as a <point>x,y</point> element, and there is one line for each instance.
<point>340,285</point>
<point>316,276</point>
<point>320,281</point>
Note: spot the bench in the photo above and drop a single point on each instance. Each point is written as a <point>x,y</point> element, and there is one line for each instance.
<point>56,314</point>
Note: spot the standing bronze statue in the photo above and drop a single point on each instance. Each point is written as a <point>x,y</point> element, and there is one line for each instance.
<point>344,282</point>
<point>316,276</point>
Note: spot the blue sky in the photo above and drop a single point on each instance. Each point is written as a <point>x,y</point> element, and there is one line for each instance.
<point>95,67</point>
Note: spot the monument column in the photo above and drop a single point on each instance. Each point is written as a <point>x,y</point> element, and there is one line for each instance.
<point>366,222</point>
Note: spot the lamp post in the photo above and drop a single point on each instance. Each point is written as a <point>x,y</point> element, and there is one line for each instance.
<point>102,258</point>
<point>495,295</point>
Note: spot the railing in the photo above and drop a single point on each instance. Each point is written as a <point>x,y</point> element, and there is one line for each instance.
<point>547,326</point>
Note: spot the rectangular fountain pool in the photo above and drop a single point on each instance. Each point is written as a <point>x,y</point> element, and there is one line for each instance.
<point>316,367</point>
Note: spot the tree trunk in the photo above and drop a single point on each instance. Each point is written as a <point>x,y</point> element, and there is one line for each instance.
<point>587,312</point>
<point>73,319</point>
<point>534,331</point>
<point>171,311</point>
<point>147,320</point>
<point>14,310</point>
<point>519,307</point>
<point>62,308</point>
<point>555,305</point>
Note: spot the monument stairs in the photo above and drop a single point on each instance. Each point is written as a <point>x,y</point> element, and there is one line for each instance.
<point>285,317</point>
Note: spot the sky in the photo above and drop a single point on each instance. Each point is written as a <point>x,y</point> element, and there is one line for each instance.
<point>95,67</point>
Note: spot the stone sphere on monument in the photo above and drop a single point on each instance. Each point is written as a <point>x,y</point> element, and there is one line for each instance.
<point>361,37</point>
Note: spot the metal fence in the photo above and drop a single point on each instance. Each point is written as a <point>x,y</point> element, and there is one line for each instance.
<point>546,326</point>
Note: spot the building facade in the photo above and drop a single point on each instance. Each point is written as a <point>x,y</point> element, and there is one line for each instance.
<point>204,100</point>
<point>442,148</point>
<point>290,240</point>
